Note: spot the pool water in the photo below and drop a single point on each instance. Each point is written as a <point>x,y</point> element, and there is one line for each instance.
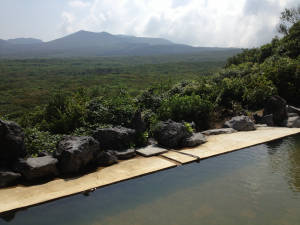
<point>257,185</point>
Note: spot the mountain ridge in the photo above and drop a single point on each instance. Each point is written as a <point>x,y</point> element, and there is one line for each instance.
<point>21,41</point>
<point>89,44</point>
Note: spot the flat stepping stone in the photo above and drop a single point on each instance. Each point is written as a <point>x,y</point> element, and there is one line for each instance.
<point>151,150</point>
<point>179,157</point>
<point>219,131</point>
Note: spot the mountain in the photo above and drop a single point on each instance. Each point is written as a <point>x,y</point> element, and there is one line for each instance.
<point>24,41</point>
<point>3,42</point>
<point>91,44</point>
<point>150,41</point>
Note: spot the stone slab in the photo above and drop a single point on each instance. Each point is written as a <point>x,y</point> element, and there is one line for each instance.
<point>23,196</point>
<point>151,150</point>
<point>179,157</point>
<point>224,143</point>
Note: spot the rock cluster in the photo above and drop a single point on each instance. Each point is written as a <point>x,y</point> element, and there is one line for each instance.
<point>278,113</point>
<point>74,153</point>
<point>276,106</point>
<point>170,134</point>
<point>12,142</point>
<point>108,145</point>
<point>8,177</point>
<point>194,140</point>
<point>35,168</point>
<point>240,123</point>
<point>116,138</point>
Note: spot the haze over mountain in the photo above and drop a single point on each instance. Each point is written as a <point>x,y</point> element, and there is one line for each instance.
<point>90,44</point>
<point>25,41</point>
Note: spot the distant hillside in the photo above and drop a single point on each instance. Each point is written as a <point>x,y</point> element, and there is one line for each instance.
<point>24,41</point>
<point>90,44</point>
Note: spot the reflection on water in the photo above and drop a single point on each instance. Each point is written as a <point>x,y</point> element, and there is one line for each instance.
<point>285,159</point>
<point>259,185</point>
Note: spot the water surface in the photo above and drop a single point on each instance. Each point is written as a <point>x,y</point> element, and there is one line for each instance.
<point>256,186</point>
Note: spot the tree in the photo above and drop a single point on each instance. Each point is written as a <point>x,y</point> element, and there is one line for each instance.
<point>287,19</point>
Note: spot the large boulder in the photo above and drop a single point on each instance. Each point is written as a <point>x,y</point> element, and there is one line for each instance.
<point>11,142</point>
<point>219,131</point>
<point>138,123</point>
<point>194,140</point>
<point>170,134</point>
<point>240,123</point>
<point>8,177</point>
<point>292,109</point>
<point>276,106</point>
<point>257,118</point>
<point>293,122</point>
<point>76,152</point>
<point>116,138</point>
<point>268,119</point>
<point>106,158</point>
<point>35,168</point>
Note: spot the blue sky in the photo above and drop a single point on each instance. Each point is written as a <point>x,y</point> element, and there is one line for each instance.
<point>224,23</point>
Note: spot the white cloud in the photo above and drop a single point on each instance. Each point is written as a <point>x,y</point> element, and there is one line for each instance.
<point>79,4</point>
<point>68,19</point>
<point>242,23</point>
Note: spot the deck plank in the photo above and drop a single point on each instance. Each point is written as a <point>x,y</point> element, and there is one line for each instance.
<point>23,196</point>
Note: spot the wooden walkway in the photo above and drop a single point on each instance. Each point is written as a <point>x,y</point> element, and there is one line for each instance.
<point>23,196</point>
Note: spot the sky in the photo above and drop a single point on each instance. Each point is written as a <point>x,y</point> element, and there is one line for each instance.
<point>207,23</point>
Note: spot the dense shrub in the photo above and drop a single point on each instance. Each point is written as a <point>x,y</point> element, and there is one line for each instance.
<point>118,110</point>
<point>284,73</point>
<point>149,99</point>
<point>38,142</point>
<point>187,108</point>
<point>292,41</point>
<point>257,89</point>
<point>61,115</point>
<point>64,113</point>
<point>231,90</point>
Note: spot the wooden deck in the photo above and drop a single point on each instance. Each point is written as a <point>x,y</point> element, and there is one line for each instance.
<point>23,196</point>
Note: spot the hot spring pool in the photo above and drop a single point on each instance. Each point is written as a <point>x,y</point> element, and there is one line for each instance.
<point>258,185</point>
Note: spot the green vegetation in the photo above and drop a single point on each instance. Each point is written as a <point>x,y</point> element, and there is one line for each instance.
<point>89,93</point>
<point>31,82</point>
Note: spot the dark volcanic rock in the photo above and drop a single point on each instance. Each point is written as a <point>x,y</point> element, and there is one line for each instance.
<point>293,122</point>
<point>127,154</point>
<point>219,131</point>
<point>74,153</point>
<point>11,142</point>
<point>106,158</point>
<point>292,109</point>
<point>276,106</point>
<point>268,119</point>
<point>138,123</point>
<point>257,118</point>
<point>292,114</point>
<point>35,168</point>
<point>195,140</point>
<point>8,178</point>
<point>170,134</point>
<point>240,123</point>
<point>116,138</point>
